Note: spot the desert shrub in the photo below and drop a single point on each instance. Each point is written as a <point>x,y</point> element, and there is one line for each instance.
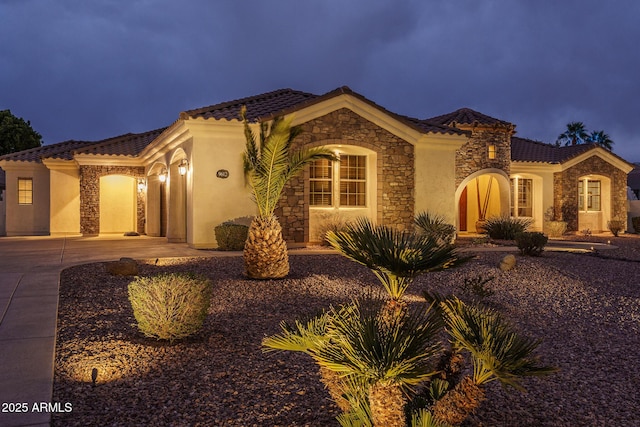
<point>555,228</point>
<point>505,227</point>
<point>333,222</point>
<point>635,221</point>
<point>170,306</point>
<point>436,227</point>
<point>531,243</point>
<point>615,226</point>
<point>230,236</point>
<point>476,287</point>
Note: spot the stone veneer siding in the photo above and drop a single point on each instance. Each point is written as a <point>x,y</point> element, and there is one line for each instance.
<point>90,195</point>
<point>395,172</point>
<point>473,155</point>
<point>565,190</point>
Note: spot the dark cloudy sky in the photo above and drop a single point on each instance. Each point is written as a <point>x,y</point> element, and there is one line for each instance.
<point>92,69</point>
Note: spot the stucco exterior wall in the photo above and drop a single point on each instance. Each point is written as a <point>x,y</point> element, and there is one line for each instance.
<point>435,180</point>
<point>3,214</point>
<point>65,199</point>
<point>27,220</point>
<point>543,198</point>
<point>215,199</point>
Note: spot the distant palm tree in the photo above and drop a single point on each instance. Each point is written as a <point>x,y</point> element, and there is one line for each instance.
<point>268,166</point>
<point>601,139</point>
<point>575,134</point>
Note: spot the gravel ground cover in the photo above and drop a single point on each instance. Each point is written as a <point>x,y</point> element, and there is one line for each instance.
<point>585,307</point>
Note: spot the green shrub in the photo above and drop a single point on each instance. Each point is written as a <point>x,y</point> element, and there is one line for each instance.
<point>635,221</point>
<point>170,306</point>
<point>615,226</point>
<point>436,227</point>
<point>505,227</point>
<point>230,236</point>
<point>531,243</point>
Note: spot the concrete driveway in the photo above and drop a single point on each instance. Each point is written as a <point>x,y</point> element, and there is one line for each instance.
<point>29,280</point>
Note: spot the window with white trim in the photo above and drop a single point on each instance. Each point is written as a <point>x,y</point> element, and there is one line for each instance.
<point>589,201</point>
<point>25,191</point>
<point>349,176</point>
<point>521,197</point>
<point>321,183</point>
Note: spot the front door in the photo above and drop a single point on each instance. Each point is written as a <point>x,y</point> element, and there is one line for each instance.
<point>462,210</point>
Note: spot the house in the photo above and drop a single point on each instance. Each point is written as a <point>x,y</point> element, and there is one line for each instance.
<point>183,180</point>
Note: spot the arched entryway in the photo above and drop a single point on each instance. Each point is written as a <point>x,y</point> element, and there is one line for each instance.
<point>117,204</point>
<point>481,195</point>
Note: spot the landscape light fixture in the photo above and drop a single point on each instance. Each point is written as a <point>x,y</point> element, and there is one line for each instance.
<point>182,167</point>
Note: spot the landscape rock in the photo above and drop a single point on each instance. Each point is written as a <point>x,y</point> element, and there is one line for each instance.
<point>123,267</point>
<point>508,262</point>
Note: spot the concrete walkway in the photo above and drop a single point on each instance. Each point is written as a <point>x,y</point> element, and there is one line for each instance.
<point>29,280</point>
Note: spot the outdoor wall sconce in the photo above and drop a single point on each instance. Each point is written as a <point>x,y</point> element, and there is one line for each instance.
<point>163,176</point>
<point>182,167</point>
<point>142,185</point>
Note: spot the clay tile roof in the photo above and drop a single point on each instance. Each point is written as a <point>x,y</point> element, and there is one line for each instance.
<point>429,127</point>
<point>130,144</point>
<point>61,150</point>
<point>466,116</point>
<point>259,106</point>
<point>527,150</point>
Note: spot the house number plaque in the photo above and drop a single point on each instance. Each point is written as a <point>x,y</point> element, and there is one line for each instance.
<point>222,173</point>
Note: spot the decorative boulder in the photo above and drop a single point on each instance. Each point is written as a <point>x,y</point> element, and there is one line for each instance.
<point>508,262</point>
<point>124,267</point>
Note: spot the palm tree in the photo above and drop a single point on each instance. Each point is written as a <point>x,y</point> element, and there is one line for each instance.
<point>601,139</point>
<point>575,134</point>
<point>498,353</point>
<point>395,257</point>
<point>268,166</point>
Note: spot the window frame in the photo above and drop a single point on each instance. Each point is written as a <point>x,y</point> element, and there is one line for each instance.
<point>586,200</point>
<point>348,185</point>
<point>25,195</point>
<point>519,188</point>
<point>322,194</point>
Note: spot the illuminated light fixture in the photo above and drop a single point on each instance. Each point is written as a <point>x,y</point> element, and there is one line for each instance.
<point>163,176</point>
<point>182,167</point>
<point>142,185</point>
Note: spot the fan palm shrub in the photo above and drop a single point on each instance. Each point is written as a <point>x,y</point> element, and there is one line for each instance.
<point>505,227</point>
<point>268,165</point>
<point>436,226</point>
<point>374,362</point>
<point>395,257</point>
<point>498,353</point>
